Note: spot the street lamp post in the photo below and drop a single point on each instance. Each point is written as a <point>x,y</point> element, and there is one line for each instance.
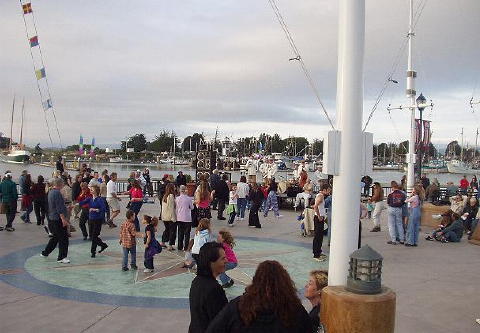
<point>420,101</point>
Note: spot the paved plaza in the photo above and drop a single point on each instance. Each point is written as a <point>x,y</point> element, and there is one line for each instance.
<point>436,284</point>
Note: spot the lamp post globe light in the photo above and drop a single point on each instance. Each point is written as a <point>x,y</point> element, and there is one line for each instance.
<point>421,103</point>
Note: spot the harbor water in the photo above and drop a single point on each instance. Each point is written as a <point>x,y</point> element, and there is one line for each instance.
<point>158,170</point>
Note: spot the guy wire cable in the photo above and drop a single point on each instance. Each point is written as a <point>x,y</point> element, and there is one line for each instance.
<point>298,57</point>
<point>396,62</point>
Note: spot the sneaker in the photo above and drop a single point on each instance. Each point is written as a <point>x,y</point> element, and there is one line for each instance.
<point>231,224</point>
<point>93,255</point>
<point>406,244</point>
<point>170,248</point>
<point>279,216</point>
<point>392,243</point>
<point>221,218</point>
<point>321,257</point>
<point>228,284</point>
<point>85,238</point>
<point>42,255</point>
<point>429,238</point>
<point>64,261</point>
<point>125,269</point>
<point>134,267</point>
<point>375,229</point>
<point>251,226</point>
<point>148,270</point>
<point>10,229</point>
<point>1,228</point>
<point>103,248</point>
<point>402,242</point>
<point>50,235</point>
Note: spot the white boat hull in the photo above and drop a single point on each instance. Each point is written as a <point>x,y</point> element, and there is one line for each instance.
<point>458,167</point>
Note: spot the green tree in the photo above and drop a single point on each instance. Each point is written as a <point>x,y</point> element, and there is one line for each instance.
<point>138,142</point>
<point>317,147</point>
<point>163,142</point>
<point>192,142</point>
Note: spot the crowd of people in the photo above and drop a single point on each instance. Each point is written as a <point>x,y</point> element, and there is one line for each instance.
<point>404,212</point>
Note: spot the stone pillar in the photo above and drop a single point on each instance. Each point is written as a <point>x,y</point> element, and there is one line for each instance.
<point>345,312</point>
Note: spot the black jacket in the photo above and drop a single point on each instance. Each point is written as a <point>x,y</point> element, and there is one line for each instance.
<point>207,298</point>
<point>222,190</point>
<point>229,321</point>
<point>75,191</point>
<point>256,197</point>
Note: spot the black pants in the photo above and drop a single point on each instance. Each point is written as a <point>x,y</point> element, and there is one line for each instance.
<point>221,206</point>
<point>95,227</point>
<point>184,229</point>
<point>231,219</point>
<point>253,215</point>
<point>107,209</point>
<point>40,207</point>
<point>83,220</point>
<point>60,237</point>
<point>318,225</point>
<point>170,233</point>
<point>11,212</point>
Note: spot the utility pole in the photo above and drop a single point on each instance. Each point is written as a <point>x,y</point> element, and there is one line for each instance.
<point>476,143</point>
<point>461,148</point>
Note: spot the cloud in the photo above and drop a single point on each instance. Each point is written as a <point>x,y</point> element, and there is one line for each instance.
<point>116,68</point>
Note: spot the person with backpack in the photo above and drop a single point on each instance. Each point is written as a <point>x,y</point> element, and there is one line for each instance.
<point>395,201</point>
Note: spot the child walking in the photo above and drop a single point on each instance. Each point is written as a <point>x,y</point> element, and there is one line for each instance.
<point>227,241</point>
<point>128,241</point>
<point>232,205</point>
<point>152,247</point>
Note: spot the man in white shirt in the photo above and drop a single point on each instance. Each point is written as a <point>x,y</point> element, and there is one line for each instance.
<point>95,180</point>
<point>242,192</point>
<point>112,198</point>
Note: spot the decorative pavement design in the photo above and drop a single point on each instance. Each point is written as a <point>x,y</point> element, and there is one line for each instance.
<point>100,279</point>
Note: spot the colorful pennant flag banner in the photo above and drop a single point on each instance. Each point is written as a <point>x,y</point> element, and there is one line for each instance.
<point>47,104</point>
<point>27,8</point>
<point>40,73</point>
<point>34,41</point>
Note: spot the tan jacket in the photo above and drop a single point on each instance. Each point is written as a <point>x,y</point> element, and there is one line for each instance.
<point>169,212</point>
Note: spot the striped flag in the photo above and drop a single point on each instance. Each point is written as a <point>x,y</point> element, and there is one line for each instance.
<point>92,147</point>
<point>80,145</point>
<point>27,8</point>
<point>40,73</point>
<point>34,41</point>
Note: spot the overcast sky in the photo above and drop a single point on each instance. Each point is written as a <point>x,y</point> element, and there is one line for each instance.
<point>117,68</point>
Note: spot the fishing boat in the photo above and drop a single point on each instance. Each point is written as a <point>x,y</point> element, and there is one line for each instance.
<point>457,166</point>
<point>118,159</point>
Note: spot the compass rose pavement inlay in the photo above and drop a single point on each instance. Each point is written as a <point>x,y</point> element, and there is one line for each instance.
<point>101,280</point>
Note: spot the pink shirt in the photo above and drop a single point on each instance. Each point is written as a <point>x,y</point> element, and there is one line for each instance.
<point>414,201</point>
<point>204,204</point>
<point>229,254</point>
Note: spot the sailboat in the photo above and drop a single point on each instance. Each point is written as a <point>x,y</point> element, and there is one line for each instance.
<point>459,166</point>
<point>16,153</point>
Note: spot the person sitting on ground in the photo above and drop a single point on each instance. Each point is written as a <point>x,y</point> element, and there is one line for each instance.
<point>457,204</point>
<point>226,239</point>
<point>313,292</point>
<point>207,297</point>
<point>451,229</point>
<point>269,304</point>
<point>469,213</point>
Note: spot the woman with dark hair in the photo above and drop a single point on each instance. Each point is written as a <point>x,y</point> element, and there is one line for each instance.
<point>136,201</point>
<point>169,217</point>
<point>256,196</point>
<point>269,304</point>
<point>207,297</point>
<point>27,205</point>
<point>39,200</point>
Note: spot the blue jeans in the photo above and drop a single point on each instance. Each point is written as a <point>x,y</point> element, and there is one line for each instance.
<point>395,224</point>
<point>224,277</point>
<point>413,225</point>
<point>133,256</point>
<point>135,206</point>
<point>242,205</point>
<point>26,215</point>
